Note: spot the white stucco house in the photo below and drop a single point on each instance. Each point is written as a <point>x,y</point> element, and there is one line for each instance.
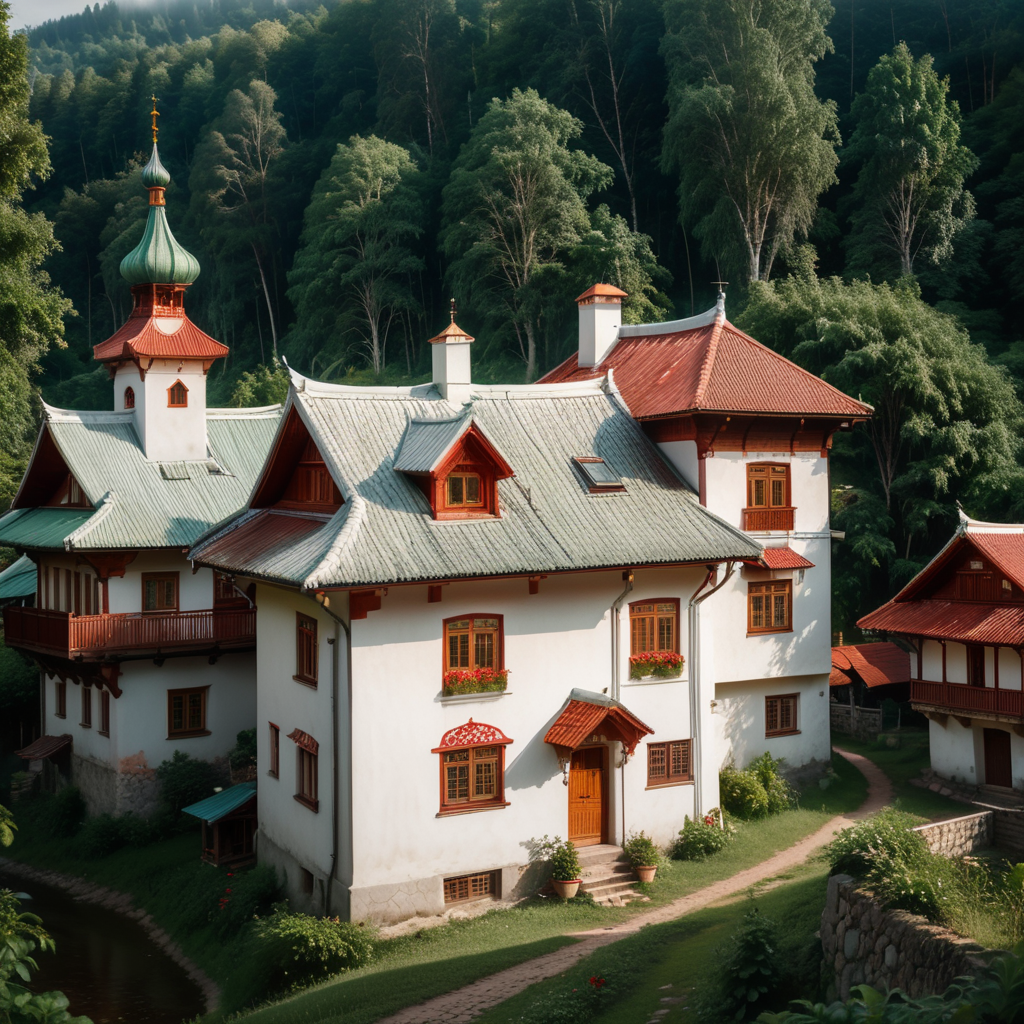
<point>963,616</point>
<point>490,613</point>
<point>139,656</point>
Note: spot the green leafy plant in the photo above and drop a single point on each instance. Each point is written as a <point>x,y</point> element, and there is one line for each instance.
<point>185,780</point>
<point>856,848</point>
<point>1011,898</point>
<point>661,664</point>
<point>565,861</point>
<point>779,792</point>
<point>742,793</point>
<point>640,850</point>
<point>480,680</point>
<point>699,838</point>
<point>64,813</point>
<point>243,753</point>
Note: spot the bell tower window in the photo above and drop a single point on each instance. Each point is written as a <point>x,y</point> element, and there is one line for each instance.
<point>129,398</point>
<point>177,396</point>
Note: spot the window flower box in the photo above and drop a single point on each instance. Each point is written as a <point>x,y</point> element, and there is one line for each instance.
<point>660,664</point>
<point>482,680</point>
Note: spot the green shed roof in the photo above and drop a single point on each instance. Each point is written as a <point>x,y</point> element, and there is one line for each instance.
<point>42,527</point>
<point>18,580</point>
<point>221,804</point>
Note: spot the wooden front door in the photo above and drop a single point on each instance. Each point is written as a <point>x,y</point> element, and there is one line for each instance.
<point>587,792</point>
<point>998,768</point>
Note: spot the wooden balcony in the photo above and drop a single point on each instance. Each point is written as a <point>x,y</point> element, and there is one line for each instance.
<point>958,699</point>
<point>761,520</point>
<point>126,636</point>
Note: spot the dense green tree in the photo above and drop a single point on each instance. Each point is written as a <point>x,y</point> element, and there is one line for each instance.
<point>909,197</point>
<point>513,209</point>
<point>351,277</point>
<point>751,143</point>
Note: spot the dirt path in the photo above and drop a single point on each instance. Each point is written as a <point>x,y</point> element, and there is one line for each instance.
<point>466,1004</point>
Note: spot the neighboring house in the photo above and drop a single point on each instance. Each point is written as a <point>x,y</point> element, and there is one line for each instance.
<point>510,583</point>
<point>750,432</point>
<point>867,674</point>
<point>963,614</point>
<point>140,656</point>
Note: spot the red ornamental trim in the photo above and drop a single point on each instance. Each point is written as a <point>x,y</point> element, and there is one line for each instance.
<point>472,734</point>
<point>304,740</point>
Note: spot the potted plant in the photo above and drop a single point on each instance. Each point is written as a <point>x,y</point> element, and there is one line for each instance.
<point>481,680</point>
<point>565,865</point>
<point>656,664</point>
<point>642,854</point>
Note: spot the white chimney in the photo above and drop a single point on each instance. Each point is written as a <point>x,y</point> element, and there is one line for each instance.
<point>600,318</point>
<point>450,362</point>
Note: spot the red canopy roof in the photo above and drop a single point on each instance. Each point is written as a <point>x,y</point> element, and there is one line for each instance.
<point>714,368</point>
<point>160,337</point>
<point>783,558</point>
<point>582,717</point>
<point>875,664</point>
<point>963,621</point>
<point>45,746</point>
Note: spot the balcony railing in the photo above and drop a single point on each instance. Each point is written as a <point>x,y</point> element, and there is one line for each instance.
<point>95,637</point>
<point>957,697</point>
<point>761,520</point>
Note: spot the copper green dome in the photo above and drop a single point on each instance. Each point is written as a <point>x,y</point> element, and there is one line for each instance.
<point>158,258</point>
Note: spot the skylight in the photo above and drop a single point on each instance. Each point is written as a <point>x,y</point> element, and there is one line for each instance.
<point>600,477</point>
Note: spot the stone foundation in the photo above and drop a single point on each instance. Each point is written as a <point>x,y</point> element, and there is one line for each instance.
<point>864,944</point>
<point>959,837</point>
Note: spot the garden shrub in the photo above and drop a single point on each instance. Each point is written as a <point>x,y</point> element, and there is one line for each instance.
<point>742,793</point>
<point>702,837</point>
<point>62,815</point>
<point>243,753</point>
<point>291,951</point>
<point>185,780</point>
<point>99,836</point>
<point>779,792</point>
<point>1010,895</point>
<point>855,849</point>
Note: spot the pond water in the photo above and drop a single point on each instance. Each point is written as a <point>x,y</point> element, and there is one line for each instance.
<point>106,964</point>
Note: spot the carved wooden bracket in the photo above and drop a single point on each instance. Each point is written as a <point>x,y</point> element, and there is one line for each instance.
<point>109,563</point>
<point>361,602</point>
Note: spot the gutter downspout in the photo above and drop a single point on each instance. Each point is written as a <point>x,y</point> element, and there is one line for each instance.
<point>615,689</point>
<point>693,645</point>
<point>323,601</point>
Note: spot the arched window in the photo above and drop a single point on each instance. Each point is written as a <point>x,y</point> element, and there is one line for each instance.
<point>177,396</point>
<point>129,398</point>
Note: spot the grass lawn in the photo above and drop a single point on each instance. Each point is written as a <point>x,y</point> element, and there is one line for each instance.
<point>902,764</point>
<point>675,959</point>
<point>441,959</point>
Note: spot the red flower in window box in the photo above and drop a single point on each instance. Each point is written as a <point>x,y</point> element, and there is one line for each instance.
<point>663,664</point>
<point>480,680</point>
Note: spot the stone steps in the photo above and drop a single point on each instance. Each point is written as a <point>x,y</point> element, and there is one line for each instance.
<point>607,875</point>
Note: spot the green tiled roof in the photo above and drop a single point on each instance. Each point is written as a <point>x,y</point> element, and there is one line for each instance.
<point>135,504</point>
<point>18,580</point>
<point>221,804</point>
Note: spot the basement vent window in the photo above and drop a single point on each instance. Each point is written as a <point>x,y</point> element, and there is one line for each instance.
<point>466,888</point>
<point>599,476</point>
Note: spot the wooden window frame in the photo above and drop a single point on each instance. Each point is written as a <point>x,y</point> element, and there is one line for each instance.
<point>499,642</point>
<point>764,517</point>
<point>86,722</point>
<point>308,679</point>
<point>104,729</point>
<point>171,403</point>
<point>490,879</point>
<point>975,663</point>
<point>307,797</point>
<point>275,751</point>
<point>486,507</point>
<point>752,591</point>
<point>60,696</point>
<point>635,614</point>
<point>148,577</point>
<point>794,730</point>
<point>669,778</point>
<point>185,692</point>
<point>469,805</point>
<point>129,397</point>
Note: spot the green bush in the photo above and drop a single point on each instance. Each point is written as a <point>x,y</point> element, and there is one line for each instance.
<point>565,862</point>
<point>702,837</point>
<point>1010,896</point>
<point>99,836</point>
<point>62,815</point>
<point>742,793</point>
<point>640,850</point>
<point>291,951</point>
<point>243,753</point>
<point>185,780</point>
<point>780,794</point>
<point>856,848</point>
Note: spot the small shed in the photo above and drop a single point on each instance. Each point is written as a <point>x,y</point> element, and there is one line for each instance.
<point>229,824</point>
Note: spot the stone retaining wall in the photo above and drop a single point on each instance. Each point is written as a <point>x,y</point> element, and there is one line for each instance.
<point>1009,831</point>
<point>864,944</point>
<point>959,837</point>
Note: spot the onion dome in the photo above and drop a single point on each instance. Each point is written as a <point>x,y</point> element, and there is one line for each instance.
<point>158,258</point>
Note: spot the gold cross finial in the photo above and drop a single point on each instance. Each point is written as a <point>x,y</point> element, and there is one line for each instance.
<point>155,114</point>
<point>452,304</point>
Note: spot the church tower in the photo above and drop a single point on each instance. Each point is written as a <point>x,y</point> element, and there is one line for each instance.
<point>159,358</point>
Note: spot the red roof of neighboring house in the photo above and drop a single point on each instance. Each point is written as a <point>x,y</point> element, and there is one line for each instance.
<point>964,621</point>
<point>784,558</point>
<point>710,368</point>
<point>875,664</point>
<point>45,746</point>
<point>159,337</point>
<point>581,718</point>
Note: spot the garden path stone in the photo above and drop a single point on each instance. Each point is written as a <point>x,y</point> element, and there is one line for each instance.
<point>452,1008</point>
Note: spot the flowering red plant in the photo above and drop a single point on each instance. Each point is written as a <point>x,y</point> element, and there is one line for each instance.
<point>655,663</point>
<point>480,680</point>
<point>597,982</point>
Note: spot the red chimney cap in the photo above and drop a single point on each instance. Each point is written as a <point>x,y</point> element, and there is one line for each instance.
<point>452,332</point>
<point>601,291</point>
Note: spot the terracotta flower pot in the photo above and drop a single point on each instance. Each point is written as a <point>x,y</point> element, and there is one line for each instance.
<point>646,873</point>
<point>566,890</point>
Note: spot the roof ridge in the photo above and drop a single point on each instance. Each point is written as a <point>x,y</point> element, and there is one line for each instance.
<point>708,363</point>
<point>105,507</point>
<point>352,514</point>
<point>690,323</point>
<point>246,412</point>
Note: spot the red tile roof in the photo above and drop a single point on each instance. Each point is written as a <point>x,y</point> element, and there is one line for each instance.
<point>45,746</point>
<point>159,338</point>
<point>876,664</point>
<point>714,368</point>
<point>598,290</point>
<point>1006,550</point>
<point>783,558</point>
<point>963,621</point>
<point>580,719</point>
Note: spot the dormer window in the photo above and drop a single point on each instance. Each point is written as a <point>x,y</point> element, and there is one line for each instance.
<point>177,396</point>
<point>69,493</point>
<point>129,398</point>
<point>464,489</point>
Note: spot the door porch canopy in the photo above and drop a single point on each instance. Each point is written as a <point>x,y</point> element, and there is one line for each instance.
<point>585,714</point>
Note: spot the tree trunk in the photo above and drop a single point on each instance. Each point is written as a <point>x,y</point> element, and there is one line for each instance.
<point>531,352</point>
<point>266,295</point>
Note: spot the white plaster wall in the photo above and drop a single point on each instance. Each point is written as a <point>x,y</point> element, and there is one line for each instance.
<point>954,751</point>
<point>1009,669</point>
<point>129,377</point>
<point>86,742</point>
<point>169,435</point>
<point>956,663</point>
<point>739,721</point>
<point>195,591</point>
<point>931,661</point>
<point>683,455</point>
